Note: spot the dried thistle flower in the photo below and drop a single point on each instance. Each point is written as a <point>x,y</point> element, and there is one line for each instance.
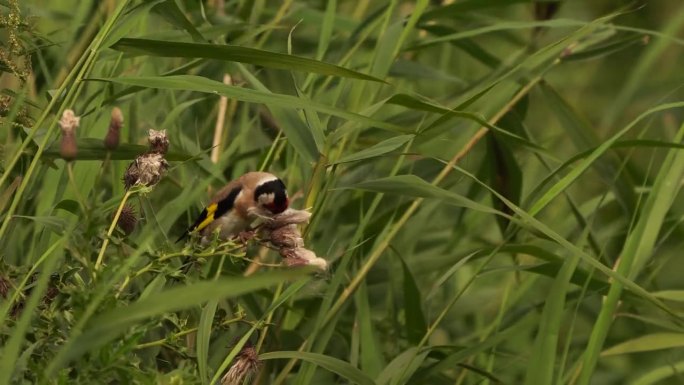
<point>127,219</point>
<point>68,148</point>
<point>158,140</point>
<point>286,236</point>
<point>244,367</point>
<point>111,140</point>
<point>283,233</point>
<point>147,169</point>
<point>300,256</point>
<point>287,217</point>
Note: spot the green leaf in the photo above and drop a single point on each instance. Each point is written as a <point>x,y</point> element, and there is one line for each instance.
<point>372,360</point>
<point>402,367</point>
<point>169,10</point>
<point>671,295</point>
<point>587,162</point>
<point>129,21</point>
<point>606,49</point>
<point>204,337</point>
<point>12,346</point>
<point>55,224</point>
<point>297,132</point>
<point>458,7</point>
<point>425,105</point>
<point>660,373</point>
<point>416,326</point>
<point>584,136</point>
<point>93,149</point>
<point>337,366</point>
<point>376,150</point>
<point>201,84</point>
<point>647,343</point>
<point>506,177</point>
<point>236,54</point>
<point>413,186</point>
<point>113,323</point>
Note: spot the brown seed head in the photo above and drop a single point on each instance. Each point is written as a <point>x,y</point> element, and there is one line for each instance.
<point>111,140</point>
<point>69,122</point>
<point>286,236</point>
<point>127,220</point>
<point>147,169</point>
<point>158,140</point>
<point>244,367</point>
<point>300,256</point>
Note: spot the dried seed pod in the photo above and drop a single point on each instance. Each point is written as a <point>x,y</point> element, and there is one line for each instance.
<point>286,236</point>
<point>158,140</point>
<point>147,169</point>
<point>68,148</point>
<point>127,219</point>
<point>244,367</point>
<point>111,140</point>
<point>300,256</point>
<point>287,217</point>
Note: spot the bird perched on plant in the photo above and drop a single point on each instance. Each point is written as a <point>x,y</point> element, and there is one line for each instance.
<point>238,203</point>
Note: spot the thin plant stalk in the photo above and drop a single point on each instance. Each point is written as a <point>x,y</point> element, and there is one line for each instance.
<point>100,255</point>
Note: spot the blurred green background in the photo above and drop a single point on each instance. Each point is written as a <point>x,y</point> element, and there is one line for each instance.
<point>494,184</point>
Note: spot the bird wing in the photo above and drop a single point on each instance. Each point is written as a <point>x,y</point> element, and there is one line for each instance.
<point>221,203</point>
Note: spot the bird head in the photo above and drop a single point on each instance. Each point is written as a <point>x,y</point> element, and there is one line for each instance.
<point>271,197</point>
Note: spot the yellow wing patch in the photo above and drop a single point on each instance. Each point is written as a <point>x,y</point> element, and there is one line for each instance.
<point>211,209</point>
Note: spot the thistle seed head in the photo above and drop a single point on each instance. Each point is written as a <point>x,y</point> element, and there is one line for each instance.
<point>111,140</point>
<point>158,140</point>
<point>147,169</point>
<point>69,122</point>
<point>127,220</point>
<point>244,367</point>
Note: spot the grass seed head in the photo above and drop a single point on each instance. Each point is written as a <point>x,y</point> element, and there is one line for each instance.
<point>243,368</point>
<point>158,140</point>
<point>68,148</point>
<point>111,140</point>
<point>147,169</point>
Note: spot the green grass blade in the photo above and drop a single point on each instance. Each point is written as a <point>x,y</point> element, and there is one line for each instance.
<point>342,368</point>
<point>637,250</point>
<point>204,337</point>
<point>416,325</point>
<point>201,84</point>
<point>170,12</point>
<point>235,54</point>
<point>647,343</point>
<point>379,149</point>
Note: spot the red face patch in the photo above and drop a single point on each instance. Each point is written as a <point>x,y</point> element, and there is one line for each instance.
<point>277,209</point>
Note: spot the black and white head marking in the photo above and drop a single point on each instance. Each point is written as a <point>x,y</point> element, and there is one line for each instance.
<point>272,195</point>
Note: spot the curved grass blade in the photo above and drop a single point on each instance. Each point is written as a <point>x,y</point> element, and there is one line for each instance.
<point>170,12</point>
<point>657,375</point>
<point>236,54</point>
<point>201,84</point>
<point>376,150</point>
<point>342,368</point>
<point>647,343</point>
<point>459,7</point>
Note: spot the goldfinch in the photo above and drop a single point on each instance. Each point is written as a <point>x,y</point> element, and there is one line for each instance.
<point>241,201</point>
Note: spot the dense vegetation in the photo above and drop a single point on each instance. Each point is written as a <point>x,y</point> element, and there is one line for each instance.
<point>494,185</point>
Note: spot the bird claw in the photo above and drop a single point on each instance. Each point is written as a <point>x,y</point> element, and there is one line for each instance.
<point>246,236</point>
